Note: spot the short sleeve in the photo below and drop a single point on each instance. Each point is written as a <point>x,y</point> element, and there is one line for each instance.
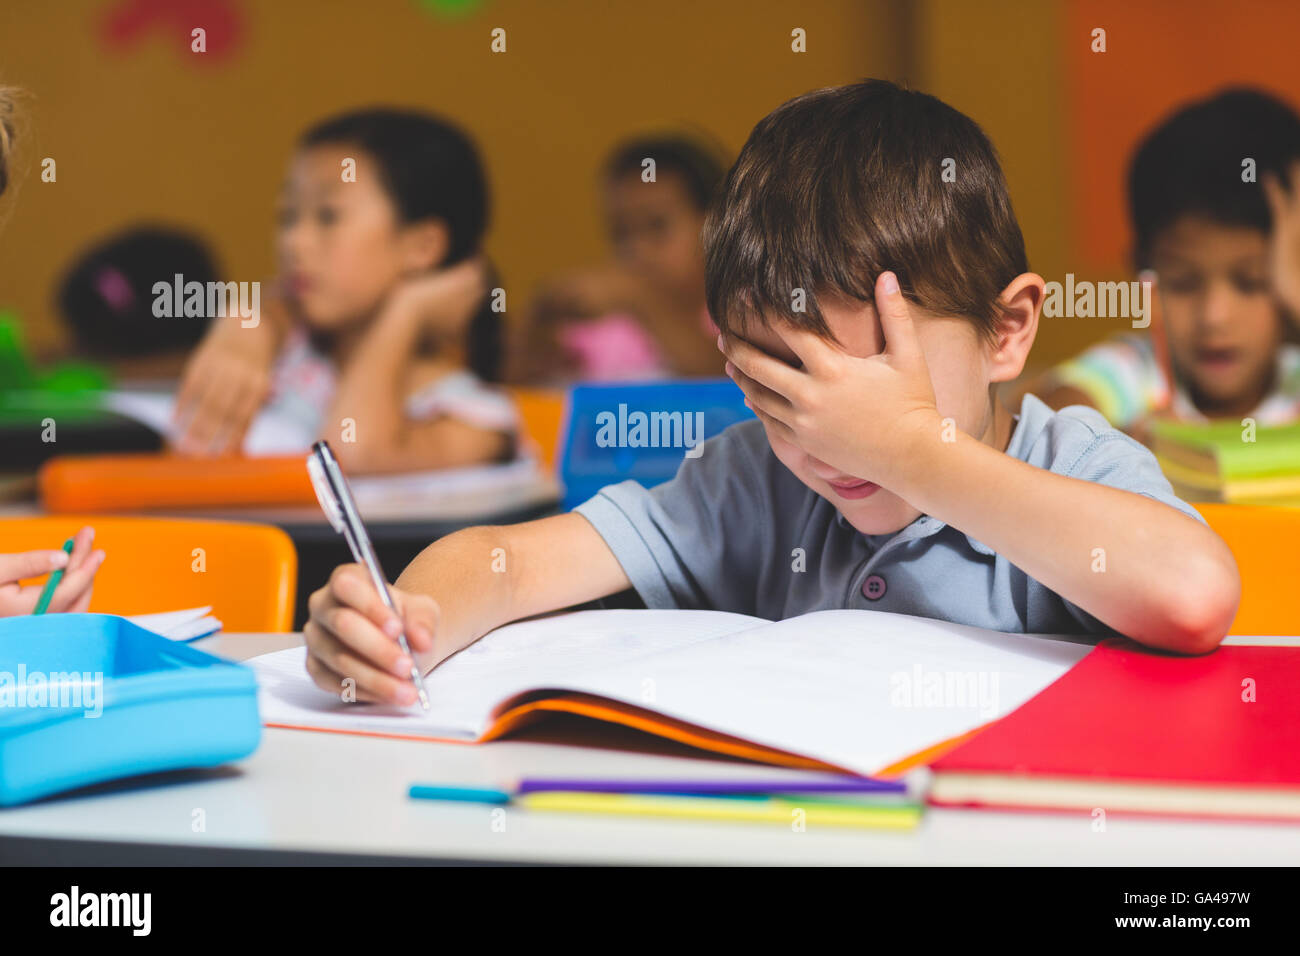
<point>1113,458</point>
<point>695,541</point>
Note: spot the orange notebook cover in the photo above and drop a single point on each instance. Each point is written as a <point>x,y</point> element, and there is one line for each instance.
<point>1134,730</point>
<point>128,482</point>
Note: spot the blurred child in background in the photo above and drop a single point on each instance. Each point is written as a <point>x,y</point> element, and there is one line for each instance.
<point>73,592</point>
<point>106,300</point>
<point>643,316</point>
<point>1226,257</point>
<point>380,336</point>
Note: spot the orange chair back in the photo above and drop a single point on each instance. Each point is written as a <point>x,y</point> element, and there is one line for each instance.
<point>247,572</point>
<point>542,414</point>
<point>1264,541</point>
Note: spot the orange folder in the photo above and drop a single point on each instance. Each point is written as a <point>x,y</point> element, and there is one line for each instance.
<point>131,482</point>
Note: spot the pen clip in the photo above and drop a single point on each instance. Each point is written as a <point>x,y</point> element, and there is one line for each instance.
<point>325,493</point>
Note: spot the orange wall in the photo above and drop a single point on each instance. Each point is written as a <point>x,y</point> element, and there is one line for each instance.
<point>999,62</point>
<point>151,133</point>
<point>1160,54</point>
<point>1065,120</point>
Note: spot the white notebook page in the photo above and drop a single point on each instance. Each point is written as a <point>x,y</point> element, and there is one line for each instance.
<point>859,689</point>
<point>464,690</point>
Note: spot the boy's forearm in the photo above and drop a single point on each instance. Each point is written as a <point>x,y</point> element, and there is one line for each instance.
<point>457,572</point>
<point>485,577</point>
<point>1134,563</point>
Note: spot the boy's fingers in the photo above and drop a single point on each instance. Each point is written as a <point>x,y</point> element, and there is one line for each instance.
<point>30,564</point>
<point>760,395</point>
<point>778,428</point>
<point>421,617</point>
<point>326,649</point>
<point>769,371</point>
<point>334,683</point>
<point>813,351</point>
<point>896,319</point>
<point>359,636</point>
<point>350,585</point>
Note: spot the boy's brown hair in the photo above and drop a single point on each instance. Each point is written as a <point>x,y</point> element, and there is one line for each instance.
<point>838,185</point>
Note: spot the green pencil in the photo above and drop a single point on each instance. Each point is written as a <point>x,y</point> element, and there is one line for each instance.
<point>55,577</point>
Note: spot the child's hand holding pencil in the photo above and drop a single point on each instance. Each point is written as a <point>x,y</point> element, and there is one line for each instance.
<point>75,567</point>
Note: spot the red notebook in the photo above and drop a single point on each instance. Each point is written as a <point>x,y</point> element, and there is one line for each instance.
<point>1136,731</point>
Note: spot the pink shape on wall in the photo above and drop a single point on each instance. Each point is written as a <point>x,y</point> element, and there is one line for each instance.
<point>127,21</point>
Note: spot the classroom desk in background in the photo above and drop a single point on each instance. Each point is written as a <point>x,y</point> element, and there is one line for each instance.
<point>398,530</point>
<point>309,797</point>
<point>24,448</point>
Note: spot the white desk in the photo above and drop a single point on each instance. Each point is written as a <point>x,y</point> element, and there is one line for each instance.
<point>305,792</point>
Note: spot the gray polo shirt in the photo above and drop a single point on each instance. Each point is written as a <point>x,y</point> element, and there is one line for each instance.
<point>735,530</point>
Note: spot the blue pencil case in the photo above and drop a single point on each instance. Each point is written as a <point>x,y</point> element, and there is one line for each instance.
<point>91,697</point>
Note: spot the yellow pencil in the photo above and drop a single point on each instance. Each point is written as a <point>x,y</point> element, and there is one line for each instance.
<point>816,812</point>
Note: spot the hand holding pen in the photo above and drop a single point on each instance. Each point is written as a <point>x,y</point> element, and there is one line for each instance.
<point>330,659</point>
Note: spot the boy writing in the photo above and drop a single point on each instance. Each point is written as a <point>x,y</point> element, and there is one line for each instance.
<point>868,310</point>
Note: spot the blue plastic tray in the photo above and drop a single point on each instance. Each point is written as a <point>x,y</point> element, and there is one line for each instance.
<point>586,466</point>
<point>162,705</point>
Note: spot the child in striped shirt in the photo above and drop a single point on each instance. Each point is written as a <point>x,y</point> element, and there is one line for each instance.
<point>1225,250</point>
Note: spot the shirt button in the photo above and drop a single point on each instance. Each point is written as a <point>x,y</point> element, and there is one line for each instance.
<point>873,588</point>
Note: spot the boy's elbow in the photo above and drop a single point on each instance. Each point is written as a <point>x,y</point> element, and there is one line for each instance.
<point>1201,606</point>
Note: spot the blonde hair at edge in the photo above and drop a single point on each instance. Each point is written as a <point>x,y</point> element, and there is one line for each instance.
<point>8,96</point>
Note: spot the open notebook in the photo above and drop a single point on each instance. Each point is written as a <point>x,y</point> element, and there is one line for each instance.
<point>864,691</point>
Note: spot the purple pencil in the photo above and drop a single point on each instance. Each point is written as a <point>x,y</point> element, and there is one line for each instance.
<point>706,787</point>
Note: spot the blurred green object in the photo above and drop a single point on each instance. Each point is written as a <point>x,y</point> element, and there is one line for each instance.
<point>67,388</point>
<point>451,8</point>
<point>72,377</point>
<point>15,372</point>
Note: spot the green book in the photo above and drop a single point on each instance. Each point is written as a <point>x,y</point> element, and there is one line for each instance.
<point>1218,449</point>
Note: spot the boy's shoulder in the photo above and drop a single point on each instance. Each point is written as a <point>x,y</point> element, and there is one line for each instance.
<point>1078,442</point>
<point>1037,422</point>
